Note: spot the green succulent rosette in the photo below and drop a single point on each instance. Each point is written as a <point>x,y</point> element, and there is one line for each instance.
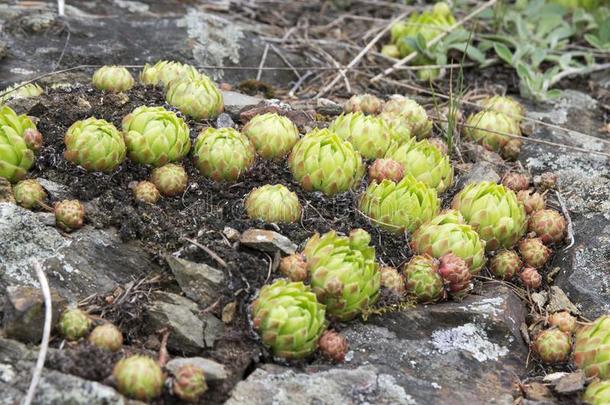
<point>402,112</point>
<point>164,72</point>
<point>273,203</point>
<point>20,90</point>
<point>324,162</point>
<point>592,348</point>
<point>425,162</point>
<point>370,135</point>
<point>115,79</point>
<point>155,136</point>
<point>344,273</point>
<point>20,124</point>
<point>198,98</point>
<point>95,144</point>
<point>423,280</point>
<point>223,154</point>
<point>449,233</point>
<point>139,377</point>
<point>272,135</point>
<point>289,319</point>
<point>597,393</point>
<point>15,156</point>
<point>486,128</point>
<point>506,105</point>
<point>494,212</point>
<point>401,206</point>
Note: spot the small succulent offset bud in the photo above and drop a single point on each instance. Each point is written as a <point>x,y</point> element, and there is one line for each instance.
<point>198,98</point>
<point>28,193</point>
<point>564,321</point>
<point>423,280</point>
<point>530,278</point>
<point>289,318</point>
<point>425,162</point>
<point>400,206</point>
<point>411,112</point>
<point>494,211</point>
<point>155,136</point>
<point>294,267</point>
<point>506,105</point>
<point>552,346</point>
<point>333,345</point>
<point>69,215</point>
<point>95,144</point>
<point>322,161</point>
<point>19,90</point>
<point>512,149</point>
<point>546,181</point>
<point>344,273</point>
<point>164,72</point>
<point>591,348</point>
<point>365,103</point>
<point>483,128</point>
<point>597,393</point>
<point>146,191</point>
<point>534,253</point>
<point>170,179</point>
<point>440,145</point>
<point>548,225</point>
<point>272,135</point>
<point>115,79</point>
<point>223,154</point>
<point>392,280</point>
<point>515,181</point>
<point>33,139</point>
<point>189,383</point>
<point>532,201</point>
<point>391,51</point>
<point>107,337</point>
<point>505,264</point>
<point>273,203</point>
<point>73,324</point>
<point>369,134</point>
<point>449,233</point>
<point>382,169</point>
<point>455,272</point>
<point>138,377</point>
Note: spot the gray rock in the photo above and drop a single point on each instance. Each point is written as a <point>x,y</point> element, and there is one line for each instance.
<point>88,261</point>
<point>267,241</point>
<point>200,282</point>
<point>235,102</point>
<point>213,371</point>
<point>56,190</point>
<point>584,188</point>
<point>24,313</point>
<point>190,330</point>
<point>458,353</point>
<point>480,171</point>
<point>280,385</point>
<point>571,383</point>
<point>224,120</point>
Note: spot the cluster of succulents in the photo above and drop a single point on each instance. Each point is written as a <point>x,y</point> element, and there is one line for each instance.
<point>114,79</point>
<point>19,141</point>
<point>426,25</point>
<point>322,161</point>
<point>364,103</point>
<point>164,72</point>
